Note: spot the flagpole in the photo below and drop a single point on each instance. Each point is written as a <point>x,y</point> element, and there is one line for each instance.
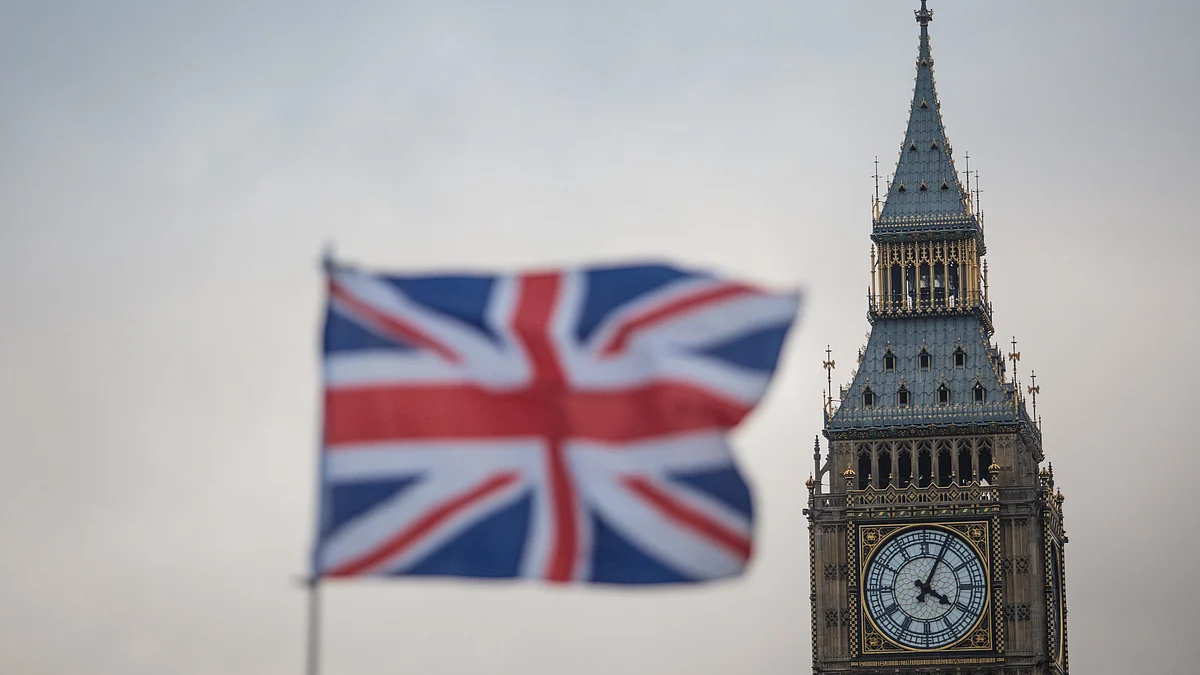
<point>313,652</point>
<point>312,664</point>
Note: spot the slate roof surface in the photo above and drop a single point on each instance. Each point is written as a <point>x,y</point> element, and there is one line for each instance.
<point>925,159</point>
<point>941,337</point>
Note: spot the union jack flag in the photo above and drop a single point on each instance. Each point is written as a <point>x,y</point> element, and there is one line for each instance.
<point>567,426</point>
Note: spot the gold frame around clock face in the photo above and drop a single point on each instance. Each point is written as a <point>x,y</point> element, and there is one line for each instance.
<point>975,538</point>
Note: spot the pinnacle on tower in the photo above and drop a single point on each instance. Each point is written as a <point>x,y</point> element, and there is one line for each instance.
<point>936,200</point>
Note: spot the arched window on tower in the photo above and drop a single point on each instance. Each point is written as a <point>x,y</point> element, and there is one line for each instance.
<point>910,285</point>
<point>939,285</point>
<point>868,397</point>
<point>924,360</point>
<point>980,393</point>
<point>952,283</point>
<point>864,468</point>
<point>960,358</point>
<point>964,462</point>
<point>904,465</point>
<point>943,394</point>
<point>902,397</point>
<point>945,466</point>
<point>984,449</point>
<point>885,468</point>
<point>924,286</point>
<point>889,361</point>
<point>896,287</point>
<point>924,465</point>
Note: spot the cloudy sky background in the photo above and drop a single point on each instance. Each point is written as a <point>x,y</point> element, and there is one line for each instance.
<point>169,172</point>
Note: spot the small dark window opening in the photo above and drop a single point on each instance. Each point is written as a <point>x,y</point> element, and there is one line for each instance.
<point>912,147</point>
<point>923,187</point>
<point>923,360</point>
<point>943,395</point>
<point>901,188</point>
<point>889,362</point>
<point>980,393</point>
<point>945,186</point>
<point>902,396</point>
<point>897,286</point>
<point>868,398</point>
<point>960,358</point>
<point>864,470</point>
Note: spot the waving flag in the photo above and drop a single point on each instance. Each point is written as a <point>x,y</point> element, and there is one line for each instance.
<point>567,426</point>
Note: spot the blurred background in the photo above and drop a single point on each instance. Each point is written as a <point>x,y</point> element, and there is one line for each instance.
<point>169,173</point>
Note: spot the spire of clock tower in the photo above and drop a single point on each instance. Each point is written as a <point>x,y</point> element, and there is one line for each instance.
<point>925,194</point>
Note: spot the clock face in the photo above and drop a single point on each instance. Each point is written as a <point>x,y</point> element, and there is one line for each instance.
<point>925,587</point>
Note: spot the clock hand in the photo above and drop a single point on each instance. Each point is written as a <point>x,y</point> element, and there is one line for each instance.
<point>925,585</point>
<point>943,599</point>
<point>926,589</point>
<point>941,554</point>
<point>921,585</point>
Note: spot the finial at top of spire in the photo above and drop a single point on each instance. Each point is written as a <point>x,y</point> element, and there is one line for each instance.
<point>924,15</point>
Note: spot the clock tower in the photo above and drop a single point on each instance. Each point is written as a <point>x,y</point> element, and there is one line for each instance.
<point>935,535</point>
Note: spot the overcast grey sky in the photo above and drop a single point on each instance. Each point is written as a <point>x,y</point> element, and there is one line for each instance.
<point>169,172</point>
